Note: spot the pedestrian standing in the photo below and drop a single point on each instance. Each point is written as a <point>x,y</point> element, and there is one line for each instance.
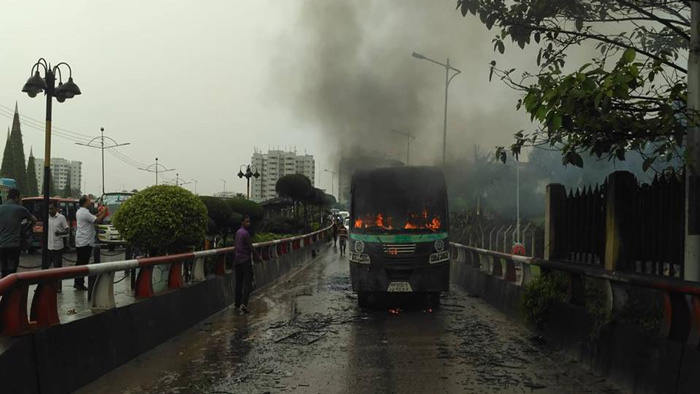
<point>243,265</point>
<point>85,235</point>
<point>335,231</point>
<point>11,216</point>
<point>58,228</point>
<point>342,237</point>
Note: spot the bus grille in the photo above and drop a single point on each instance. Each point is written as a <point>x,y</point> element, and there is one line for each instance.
<point>399,249</point>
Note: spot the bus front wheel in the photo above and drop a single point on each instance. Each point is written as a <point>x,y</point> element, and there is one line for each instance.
<point>434,300</point>
<point>362,300</point>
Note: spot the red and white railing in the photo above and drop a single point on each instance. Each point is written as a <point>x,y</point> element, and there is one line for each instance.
<point>14,288</point>
<point>681,299</point>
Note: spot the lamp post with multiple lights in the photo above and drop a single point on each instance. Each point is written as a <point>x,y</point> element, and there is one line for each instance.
<point>247,175</point>
<point>47,84</point>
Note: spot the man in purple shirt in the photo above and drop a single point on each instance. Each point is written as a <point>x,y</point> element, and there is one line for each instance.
<point>243,264</point>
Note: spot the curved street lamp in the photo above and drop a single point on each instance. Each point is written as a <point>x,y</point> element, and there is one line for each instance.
<point>157,168</point>
<point>448,79</point>
<point>47,84</point>
<point>248,174</point>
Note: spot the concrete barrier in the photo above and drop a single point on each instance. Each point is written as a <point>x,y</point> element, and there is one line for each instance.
<point>65,357</point>
<point>642,362</point>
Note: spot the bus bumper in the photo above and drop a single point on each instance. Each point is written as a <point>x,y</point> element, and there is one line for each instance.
<point>423,278</point>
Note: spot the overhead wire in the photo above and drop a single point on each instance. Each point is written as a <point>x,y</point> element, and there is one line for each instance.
<point>39,125</point>
<point>30,119</point>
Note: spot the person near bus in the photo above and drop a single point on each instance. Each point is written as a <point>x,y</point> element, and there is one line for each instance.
<point>342,237</point>
<point>85,235</point>
<point>12,213</point>
<point>335,231</point>
<point>243,265</point>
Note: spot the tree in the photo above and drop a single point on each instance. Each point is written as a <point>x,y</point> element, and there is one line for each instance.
<point>631,97</point>
<point>162,219</point>
<point>7,169</point>
<point>66,193</point>
<point>17,146</point>
<point>241,206</point>
<point>295,187</point>
<point>219,212</point>
<point>32,188</point>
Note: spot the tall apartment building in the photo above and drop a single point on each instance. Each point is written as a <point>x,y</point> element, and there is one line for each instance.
<point>59,173</point>
<point>275,164</point>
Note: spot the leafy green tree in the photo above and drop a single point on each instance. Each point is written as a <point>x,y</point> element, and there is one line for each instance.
<point>630,97</point>
<point>7,169</point>
<point>241,206</point>
<point>32,187</point>
<point>220,214</point>
<point>17,146</point>
<point>162,219</point>
<point>296,187</point>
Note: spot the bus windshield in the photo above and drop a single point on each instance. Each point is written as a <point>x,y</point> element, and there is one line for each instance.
<point>400,200</point>
<point>113,201</point>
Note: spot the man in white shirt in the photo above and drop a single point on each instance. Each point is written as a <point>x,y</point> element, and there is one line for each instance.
<point>85,235</point>
<point>58,228</point>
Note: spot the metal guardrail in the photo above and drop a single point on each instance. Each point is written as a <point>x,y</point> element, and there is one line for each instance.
<point>681,299</point>
<point>14,288</point>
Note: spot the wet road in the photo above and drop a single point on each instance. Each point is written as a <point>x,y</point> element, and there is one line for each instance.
<point>306,335</point>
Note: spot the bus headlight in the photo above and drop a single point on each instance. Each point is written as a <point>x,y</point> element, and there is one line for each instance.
<point>359,246</point>
<point>439,245</point>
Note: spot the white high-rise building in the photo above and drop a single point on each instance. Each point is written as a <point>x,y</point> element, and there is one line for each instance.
<point>275,164</point>
<point>59,173</point>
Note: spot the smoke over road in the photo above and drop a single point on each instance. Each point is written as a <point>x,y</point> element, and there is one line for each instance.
<point>353,78</point>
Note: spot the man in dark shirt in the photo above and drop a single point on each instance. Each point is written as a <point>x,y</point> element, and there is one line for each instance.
<point>11,216</point>
<point>243,265</point>
<point>342,237</point>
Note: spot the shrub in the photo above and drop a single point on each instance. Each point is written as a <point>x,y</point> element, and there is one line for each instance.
<point>538,297</point>
<point>219,212</point>
<point>242,207</point>
<point>162,219</point>
<point>281,225</point>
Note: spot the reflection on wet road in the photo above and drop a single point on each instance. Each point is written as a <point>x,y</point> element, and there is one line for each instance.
<point>307,335</point>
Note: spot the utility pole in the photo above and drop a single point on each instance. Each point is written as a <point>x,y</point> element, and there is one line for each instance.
<point>195,185</point>
<point>448,79</point>
<point>517,198</point>
<point>692,167</point>
<point>157,168</point>
<point>409,137</point>
<point>224,181</point>
<point>102,148</point>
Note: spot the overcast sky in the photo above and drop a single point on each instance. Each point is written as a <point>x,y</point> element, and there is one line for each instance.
<point>200,84</point>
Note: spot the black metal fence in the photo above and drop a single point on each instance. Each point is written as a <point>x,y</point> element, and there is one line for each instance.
<point>580,230</point>
<point>658,226</point>
<point>644,229</point>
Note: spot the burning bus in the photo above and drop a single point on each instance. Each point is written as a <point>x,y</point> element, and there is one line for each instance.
<point>399,232</point>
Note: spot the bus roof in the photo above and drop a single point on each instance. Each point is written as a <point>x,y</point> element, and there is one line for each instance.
<point>59,199</point>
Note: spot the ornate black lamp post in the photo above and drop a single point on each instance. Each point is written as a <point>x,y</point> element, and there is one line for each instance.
<point>248,174</point>
<point>35,85</point>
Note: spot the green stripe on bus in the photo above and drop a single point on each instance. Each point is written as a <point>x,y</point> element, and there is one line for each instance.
<point>398,238</point>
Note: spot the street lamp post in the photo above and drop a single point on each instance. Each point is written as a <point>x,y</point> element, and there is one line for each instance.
<point>35,85</point>
<point>157,168</point>
<point>248,174</point>
<point>409,137</point>
<point>224,181</point>
<point>332,180</point>
<point>195,185</point>
<point>448,79</point>
<point>102,147</point>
